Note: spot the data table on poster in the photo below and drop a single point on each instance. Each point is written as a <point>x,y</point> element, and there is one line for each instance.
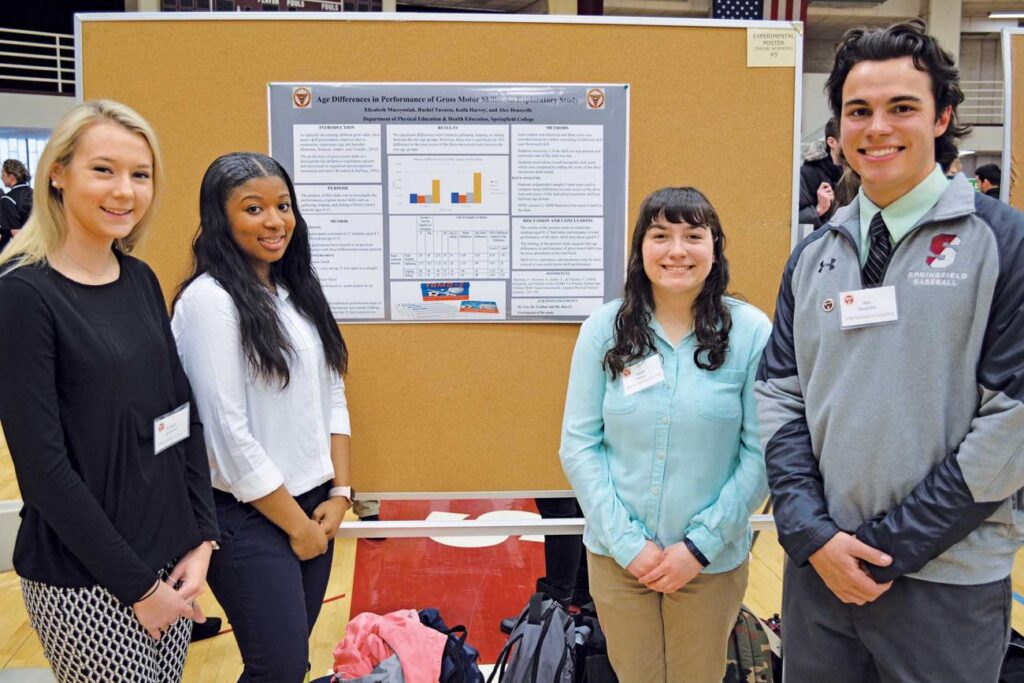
<point>459,202</point>
<point>449,247</point>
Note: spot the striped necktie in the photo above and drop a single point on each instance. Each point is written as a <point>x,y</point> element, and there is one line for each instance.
<point>879,250</point>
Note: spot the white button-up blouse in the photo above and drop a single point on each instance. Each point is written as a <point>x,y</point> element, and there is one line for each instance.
<point>258,435</point>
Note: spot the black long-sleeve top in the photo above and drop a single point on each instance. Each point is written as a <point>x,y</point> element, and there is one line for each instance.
<point>15,207</point>
<point>84,371</point>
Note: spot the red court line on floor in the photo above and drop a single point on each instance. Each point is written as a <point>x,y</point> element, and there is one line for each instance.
<point>475,587</point>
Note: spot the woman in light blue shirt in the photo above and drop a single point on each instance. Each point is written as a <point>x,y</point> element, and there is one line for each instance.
<point>660,444</point>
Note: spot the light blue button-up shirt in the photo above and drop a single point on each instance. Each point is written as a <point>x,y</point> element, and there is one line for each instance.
<point>678,459</point>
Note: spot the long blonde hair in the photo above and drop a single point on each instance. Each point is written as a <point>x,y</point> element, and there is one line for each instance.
<point>46,227</point>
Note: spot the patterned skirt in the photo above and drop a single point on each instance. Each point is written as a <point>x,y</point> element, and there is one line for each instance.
<point>89,636</point>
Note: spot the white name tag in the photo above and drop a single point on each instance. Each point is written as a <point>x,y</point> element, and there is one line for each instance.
<point>639,376</point>
<point>171,428</point>
<point>863,307</point>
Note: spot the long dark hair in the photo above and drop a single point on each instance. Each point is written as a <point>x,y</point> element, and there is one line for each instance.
<point>264,340</point>
<point>907,39</point>
<point>711,320</point>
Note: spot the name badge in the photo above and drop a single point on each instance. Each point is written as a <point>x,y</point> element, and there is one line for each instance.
<point>639,376</point>
<point>171,428</point>
<point>863,307</point>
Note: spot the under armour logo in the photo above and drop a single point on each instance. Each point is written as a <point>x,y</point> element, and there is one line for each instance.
<point>831,265</point>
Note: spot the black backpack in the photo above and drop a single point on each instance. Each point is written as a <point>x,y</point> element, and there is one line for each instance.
<point>1013,663</point>
<point>592,664</point>
<point>459,660</point>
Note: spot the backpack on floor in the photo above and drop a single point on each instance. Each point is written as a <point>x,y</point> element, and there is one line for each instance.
<point>591,652</point>
<point>1013,663</point>
<point>540,648</point>
<point>749,655</point>
<point>459,661</point>
<point>598,669</point>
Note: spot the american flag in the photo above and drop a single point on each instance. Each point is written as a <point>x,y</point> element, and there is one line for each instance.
<point>782,10</point>
<point>738,9</point>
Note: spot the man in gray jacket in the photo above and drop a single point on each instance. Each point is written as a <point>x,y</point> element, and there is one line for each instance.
<point>890,394</point>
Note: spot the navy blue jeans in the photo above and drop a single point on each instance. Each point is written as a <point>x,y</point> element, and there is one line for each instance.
<point>271,598</point>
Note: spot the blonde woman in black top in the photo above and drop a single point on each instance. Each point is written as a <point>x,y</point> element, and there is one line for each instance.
<point>118,524</point>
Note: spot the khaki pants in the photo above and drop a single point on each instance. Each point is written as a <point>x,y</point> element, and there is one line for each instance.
<point>680,637</point>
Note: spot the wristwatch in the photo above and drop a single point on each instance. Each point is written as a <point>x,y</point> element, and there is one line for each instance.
<point>341,492</point>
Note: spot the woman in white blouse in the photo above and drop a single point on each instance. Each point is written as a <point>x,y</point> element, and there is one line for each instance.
<point>266,361</point>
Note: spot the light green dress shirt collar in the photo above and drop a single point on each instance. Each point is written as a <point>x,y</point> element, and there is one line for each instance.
<point>904,213</point>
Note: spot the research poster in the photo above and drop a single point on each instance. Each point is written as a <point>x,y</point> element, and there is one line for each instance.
<point>451,202</point>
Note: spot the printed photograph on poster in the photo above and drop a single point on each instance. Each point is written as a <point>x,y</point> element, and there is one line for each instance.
<point>444,291</point>
<point>479,307</point>
<point>468,301</point>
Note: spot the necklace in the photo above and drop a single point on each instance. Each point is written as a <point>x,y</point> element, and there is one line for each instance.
<point>101,274</point>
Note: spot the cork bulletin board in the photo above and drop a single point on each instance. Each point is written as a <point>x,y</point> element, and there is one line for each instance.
<point>1012,192</point>
<point>465,408</point>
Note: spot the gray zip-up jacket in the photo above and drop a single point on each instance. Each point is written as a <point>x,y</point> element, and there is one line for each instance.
<point>909,434</point>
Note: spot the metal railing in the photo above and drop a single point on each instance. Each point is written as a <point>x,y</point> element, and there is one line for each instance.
<point>38,61</point>
<point>983,102</point>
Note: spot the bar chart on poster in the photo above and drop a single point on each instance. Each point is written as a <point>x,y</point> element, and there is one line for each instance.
<point>459,203</point>
<point>448,184</point>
